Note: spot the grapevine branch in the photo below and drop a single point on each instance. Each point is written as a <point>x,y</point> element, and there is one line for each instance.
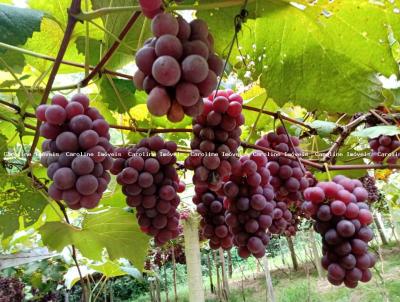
<point>291,143</point>
<point>69,63</point>
<point>111,50</point>
<point>85,16</point>
<point>75,8</point>
<point>277,115</point>
<point>322,167</point>
<point>151,130</point>
<point>346,131</point>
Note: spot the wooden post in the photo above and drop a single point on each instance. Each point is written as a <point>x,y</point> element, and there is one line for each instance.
<point>316,256</point>
<point>292,253</point>
<point>270,289</point>
<point>224,275</point>
<point>193,260</point>
<point>174,271</point>
<point>212,287</point>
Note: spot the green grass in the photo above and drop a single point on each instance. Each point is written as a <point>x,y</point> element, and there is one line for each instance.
<point>298,287</point>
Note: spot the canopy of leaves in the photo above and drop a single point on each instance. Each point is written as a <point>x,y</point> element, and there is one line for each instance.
<point>21,202</point>
<point>112,229</point>
<point>321,55</point>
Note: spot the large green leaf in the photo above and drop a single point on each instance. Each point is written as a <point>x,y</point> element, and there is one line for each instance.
<point>373,132</point>
<point>18,24</point>
<point>95,47</point>
<point>113,229</point>
<point>20,202</point>
<point>114,23</point>
<point>118,94</point>
<point>15,60</point>
<point>52,31</point>
<point>321,55</point>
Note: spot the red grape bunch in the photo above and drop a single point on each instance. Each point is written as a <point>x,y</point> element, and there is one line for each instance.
<point>177,67</point>
<point>285,219</point>
<point>213,225</point>
<point>76,151</point>
<point>369,184</point>
<point>250,205</point>
<point>11,289</point>
<point>342,218</point>
<point>288,177</point>
<point>384,148</point>
<point>216,139</point>
<point>150,182</point>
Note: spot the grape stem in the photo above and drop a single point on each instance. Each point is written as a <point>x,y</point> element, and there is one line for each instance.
<point>291,143</point>
<point>111,50</point>
<point>75,8</point>
<point>151,130</point>
<point>276,115</point>
<point>346,131</point>
<point>85,16</point>
<point>17,109</point>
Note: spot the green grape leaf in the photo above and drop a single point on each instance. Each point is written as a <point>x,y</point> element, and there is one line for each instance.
<point>118,94</point>
<point>52,33</point>
<point>324,128</point>
<point>15,60</point>
<point>114,23</point>
<point>20,202</point>
<point>18,24</point>
<point>95,47</point>
<point>376,131</point>
<point>112,229</point>
<point>322,56</point>
<point>112,269</point>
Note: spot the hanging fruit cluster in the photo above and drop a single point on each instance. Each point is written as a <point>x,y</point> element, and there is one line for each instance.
<point>76,150</point>
<point>216,139</point>
<point>150,182</point>
<point>342,217</point>
<point>177,67</point>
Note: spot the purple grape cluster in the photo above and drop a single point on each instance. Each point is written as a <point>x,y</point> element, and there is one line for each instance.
<point>11,289</point>
<point>177,67</point>
<point>288,177</point>
<point>284,222</point>
<point>216,139</point>
<point>150,182</point>
<point>213,224</point>
<point>250,205</point>
<point>369,184</point>
<point>76,151</point>
<point>342,218</point>
<point>385,148</point>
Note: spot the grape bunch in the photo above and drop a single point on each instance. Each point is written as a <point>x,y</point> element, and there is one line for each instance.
<point>179,253</point>
<point>216,139</point>
<point>285,219</point>
<point>370,185</point>
<point>76,151</point>
<point>250,205</point>
<point>342,218</point>
<point>213,224</point>
<point>288,177</point>
<point>150,182</point>
<point>177,67</point>
<point>385,148</point>
<point>11,290</point>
